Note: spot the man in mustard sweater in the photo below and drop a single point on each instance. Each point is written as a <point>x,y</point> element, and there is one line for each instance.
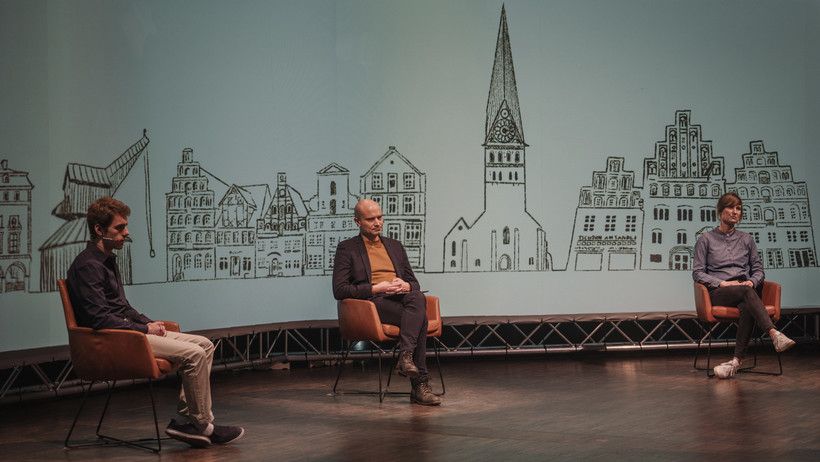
<point>372,267</point>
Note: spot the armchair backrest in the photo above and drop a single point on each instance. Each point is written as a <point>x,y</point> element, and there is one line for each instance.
<point>106,354</point>
<point>68,308</point>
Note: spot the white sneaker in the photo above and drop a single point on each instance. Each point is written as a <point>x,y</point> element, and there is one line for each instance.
<point>727,369</point>
<point>781,342</point>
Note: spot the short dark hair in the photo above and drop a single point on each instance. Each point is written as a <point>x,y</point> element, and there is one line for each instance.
<point>103,211</point>
<point>730,199</point>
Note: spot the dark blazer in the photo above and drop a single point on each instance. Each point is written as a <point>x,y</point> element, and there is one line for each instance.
<point>352,273</point>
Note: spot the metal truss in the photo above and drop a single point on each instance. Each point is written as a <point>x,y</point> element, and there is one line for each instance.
<point>49,373</point>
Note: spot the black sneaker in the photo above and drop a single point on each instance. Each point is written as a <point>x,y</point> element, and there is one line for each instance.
<point>423,394</point>
<point>187,433</point>
<point>225,434</point>
<point>405,365</point>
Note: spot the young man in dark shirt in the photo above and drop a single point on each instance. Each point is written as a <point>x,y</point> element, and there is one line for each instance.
<point>99,301</point>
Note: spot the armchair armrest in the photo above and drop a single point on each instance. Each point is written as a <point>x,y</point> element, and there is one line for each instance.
<point>434,323</point>
<point>359,320</point>
<point>703,303</point>
<point>771,297</point>
<point>171,326</point>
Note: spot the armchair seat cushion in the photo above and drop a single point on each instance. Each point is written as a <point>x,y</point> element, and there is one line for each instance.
<point>433,326</point>
<point>730,313</point>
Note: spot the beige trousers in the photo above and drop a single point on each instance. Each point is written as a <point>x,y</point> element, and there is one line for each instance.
<point>195,354</point>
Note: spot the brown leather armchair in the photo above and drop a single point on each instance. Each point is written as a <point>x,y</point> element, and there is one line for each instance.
<point>359,321</point>
<point>109,355</point>
<point>711,315</point>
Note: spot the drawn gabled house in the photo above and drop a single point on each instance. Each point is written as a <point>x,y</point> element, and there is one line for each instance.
<point>15,229</point>
<point>401,191</point>
<point>238,212</point>
<point>280,233</point>
<point>330,218</point>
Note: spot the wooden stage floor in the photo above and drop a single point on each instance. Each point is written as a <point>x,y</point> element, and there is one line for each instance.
<point>607,406</point>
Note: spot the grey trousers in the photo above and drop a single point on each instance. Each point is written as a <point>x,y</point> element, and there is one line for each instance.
<point>752,310</point>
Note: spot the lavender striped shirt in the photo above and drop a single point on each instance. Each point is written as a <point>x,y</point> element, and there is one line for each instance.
<point>720,257</point>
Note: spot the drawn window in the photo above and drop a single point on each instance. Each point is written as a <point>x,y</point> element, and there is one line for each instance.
<point>708,214</point>
<point>409,181</point>
<point>610,223</point>
<point>392,205</point>
<point>657,236</point>
<point>14,242</point>
<point>631,223</point>
<point>477,262</point>
<point>332,188</point>
<point>377,181</point>
<point>589,223</point>
<point>506,235</point>
<point>392,179</point>
<point>408,204</point>
<point>681,236</point>
<point>412,233</point>
<point>492,157</point>
<point>453,248</point>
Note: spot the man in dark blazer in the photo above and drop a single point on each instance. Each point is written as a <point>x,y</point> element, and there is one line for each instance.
<point>372,267</point>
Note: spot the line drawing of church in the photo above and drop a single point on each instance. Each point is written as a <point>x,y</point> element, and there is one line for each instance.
<point>217,230</point>
<point>619,226</point>
<point>505,236</point>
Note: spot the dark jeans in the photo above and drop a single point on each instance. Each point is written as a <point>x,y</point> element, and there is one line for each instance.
<point>409,312</point>
<point>752,310</point>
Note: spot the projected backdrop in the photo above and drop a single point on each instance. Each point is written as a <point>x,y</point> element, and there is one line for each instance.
<point>242,136</point>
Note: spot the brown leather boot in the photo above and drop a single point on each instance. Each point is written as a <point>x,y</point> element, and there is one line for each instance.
<point>423,394</point>
<point>405,365</point>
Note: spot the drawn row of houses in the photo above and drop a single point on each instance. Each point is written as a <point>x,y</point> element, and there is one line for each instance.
<point>217,230</point>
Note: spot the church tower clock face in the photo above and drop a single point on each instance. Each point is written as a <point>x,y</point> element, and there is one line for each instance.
<point>504,129</point>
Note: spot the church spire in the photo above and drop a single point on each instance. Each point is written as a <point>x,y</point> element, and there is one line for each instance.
<point>503,123</point>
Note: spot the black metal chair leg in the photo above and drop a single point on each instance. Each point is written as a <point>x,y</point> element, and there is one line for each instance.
<point>747,369</point>
<point>436,342</point>
<point>77,417</point>
<point>344,360</point>
<point>107,439</point>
